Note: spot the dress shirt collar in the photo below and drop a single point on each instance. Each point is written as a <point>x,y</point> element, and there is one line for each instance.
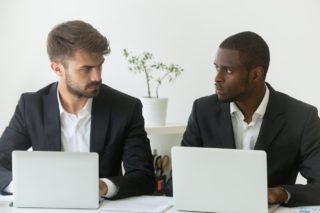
<point>86,110</point>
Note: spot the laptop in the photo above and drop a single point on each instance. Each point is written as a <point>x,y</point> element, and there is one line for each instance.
<point>48,179</point>
<point>219,180</point>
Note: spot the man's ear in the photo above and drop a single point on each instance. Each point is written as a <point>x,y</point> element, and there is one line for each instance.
<point>58,68</point>
<point>258,73</point>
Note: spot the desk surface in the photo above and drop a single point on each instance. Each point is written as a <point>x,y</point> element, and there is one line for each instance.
<point>5,208</point>
<point>314,209</point>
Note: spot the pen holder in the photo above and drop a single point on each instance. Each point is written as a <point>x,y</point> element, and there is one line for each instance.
<point>160,185</point>
<point>160,163</point>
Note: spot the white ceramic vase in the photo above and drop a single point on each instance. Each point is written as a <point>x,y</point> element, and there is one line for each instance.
<point>154,111</point>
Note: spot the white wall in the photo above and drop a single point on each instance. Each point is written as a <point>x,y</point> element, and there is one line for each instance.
<point>186,32</point>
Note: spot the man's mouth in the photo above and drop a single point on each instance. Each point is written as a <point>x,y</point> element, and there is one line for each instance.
<point>219,89</point>
<point>94,86</point>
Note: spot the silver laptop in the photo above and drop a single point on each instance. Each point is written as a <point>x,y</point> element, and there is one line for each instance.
<point>219,180</point>
<point>55,179</point>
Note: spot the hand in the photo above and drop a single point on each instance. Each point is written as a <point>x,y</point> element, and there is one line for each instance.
<point>277,195</point>
<point>103,188</point>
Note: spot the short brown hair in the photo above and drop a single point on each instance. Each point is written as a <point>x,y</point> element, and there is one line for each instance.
<point>68,37</point>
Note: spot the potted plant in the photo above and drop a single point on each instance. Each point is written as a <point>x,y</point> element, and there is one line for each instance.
<point>154,108</point>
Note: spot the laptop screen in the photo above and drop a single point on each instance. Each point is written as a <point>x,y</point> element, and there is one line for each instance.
<point>55,179</point>
<point>219,180</point>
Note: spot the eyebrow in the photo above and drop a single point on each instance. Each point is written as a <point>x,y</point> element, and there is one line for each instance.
<point>216,65</point>
<point>89,66</point>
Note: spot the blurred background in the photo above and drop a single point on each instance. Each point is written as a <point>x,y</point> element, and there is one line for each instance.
<point>184,32</point>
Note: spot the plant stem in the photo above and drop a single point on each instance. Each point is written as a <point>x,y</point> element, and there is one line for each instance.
<point>159,82</point>
<point>157,94</point>
<point>147,79</point>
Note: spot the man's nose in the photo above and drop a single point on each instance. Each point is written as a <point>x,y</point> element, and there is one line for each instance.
<point>96,75</point>
<point>219,76</point>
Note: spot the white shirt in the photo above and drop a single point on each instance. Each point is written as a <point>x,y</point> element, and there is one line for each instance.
<point>75,135</point>
<point>75,129</point>
<point>246,135</point>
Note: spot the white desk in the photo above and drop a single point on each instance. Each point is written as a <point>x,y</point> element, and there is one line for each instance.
<point>279,210</point>
<point>5,208</point>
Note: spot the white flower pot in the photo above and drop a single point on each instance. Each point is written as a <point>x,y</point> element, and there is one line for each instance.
<point>154,111</point>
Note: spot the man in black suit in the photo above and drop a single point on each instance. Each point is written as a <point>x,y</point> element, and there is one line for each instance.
<point>79,113</point>
<point>247,113</point>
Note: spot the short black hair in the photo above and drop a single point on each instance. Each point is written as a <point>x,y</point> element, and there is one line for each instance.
<point>254,51</point>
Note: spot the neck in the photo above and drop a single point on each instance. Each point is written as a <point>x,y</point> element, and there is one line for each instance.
<point>70,102</point>
<point>251,103</point>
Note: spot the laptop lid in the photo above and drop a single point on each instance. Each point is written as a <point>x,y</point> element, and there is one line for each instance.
<point>55,179</point>
<point>219,180</point>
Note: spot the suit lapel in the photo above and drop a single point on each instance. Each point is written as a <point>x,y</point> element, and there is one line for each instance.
<point>273,121</point>
<point>52,120</point>
<point>99,121</point>
<point>224,126</point>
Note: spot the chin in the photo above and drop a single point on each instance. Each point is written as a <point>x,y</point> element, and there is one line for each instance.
<point>225,99</point>
<point>91,94</point>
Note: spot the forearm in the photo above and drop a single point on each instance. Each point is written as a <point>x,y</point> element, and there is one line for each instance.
<point>309,167</point>
<point>134,184</point>
<point>5,178</point>
<point>303,195</point>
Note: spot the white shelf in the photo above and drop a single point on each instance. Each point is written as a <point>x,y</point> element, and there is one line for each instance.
<point>167,129</point>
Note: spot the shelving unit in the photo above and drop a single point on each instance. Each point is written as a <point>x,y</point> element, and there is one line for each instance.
<point>162,138</point>
<point>167,129</point>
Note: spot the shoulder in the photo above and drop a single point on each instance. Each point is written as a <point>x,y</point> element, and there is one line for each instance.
<point>294,110</point>
<point>38,95</point>
<point>117,99</point>
<point>116,95</point>
<point>291,103</point>
<point>211,101</point>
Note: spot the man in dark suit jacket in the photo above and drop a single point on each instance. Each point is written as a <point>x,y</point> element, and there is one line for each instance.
<point>247,113</point>
<point>79,113</point>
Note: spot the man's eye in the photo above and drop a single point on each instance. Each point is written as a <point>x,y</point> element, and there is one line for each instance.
<point>224,70</point>
<point>229,71</point>
<point>86,69</point>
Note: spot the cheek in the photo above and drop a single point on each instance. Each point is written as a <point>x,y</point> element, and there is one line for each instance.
<point>75,76</point>
<point>236,84</point>
<point>233,81</point>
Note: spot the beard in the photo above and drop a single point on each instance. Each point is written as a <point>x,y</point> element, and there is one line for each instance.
<point>238,94</point>
<point>75,89</point>
<point>229,99</point>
